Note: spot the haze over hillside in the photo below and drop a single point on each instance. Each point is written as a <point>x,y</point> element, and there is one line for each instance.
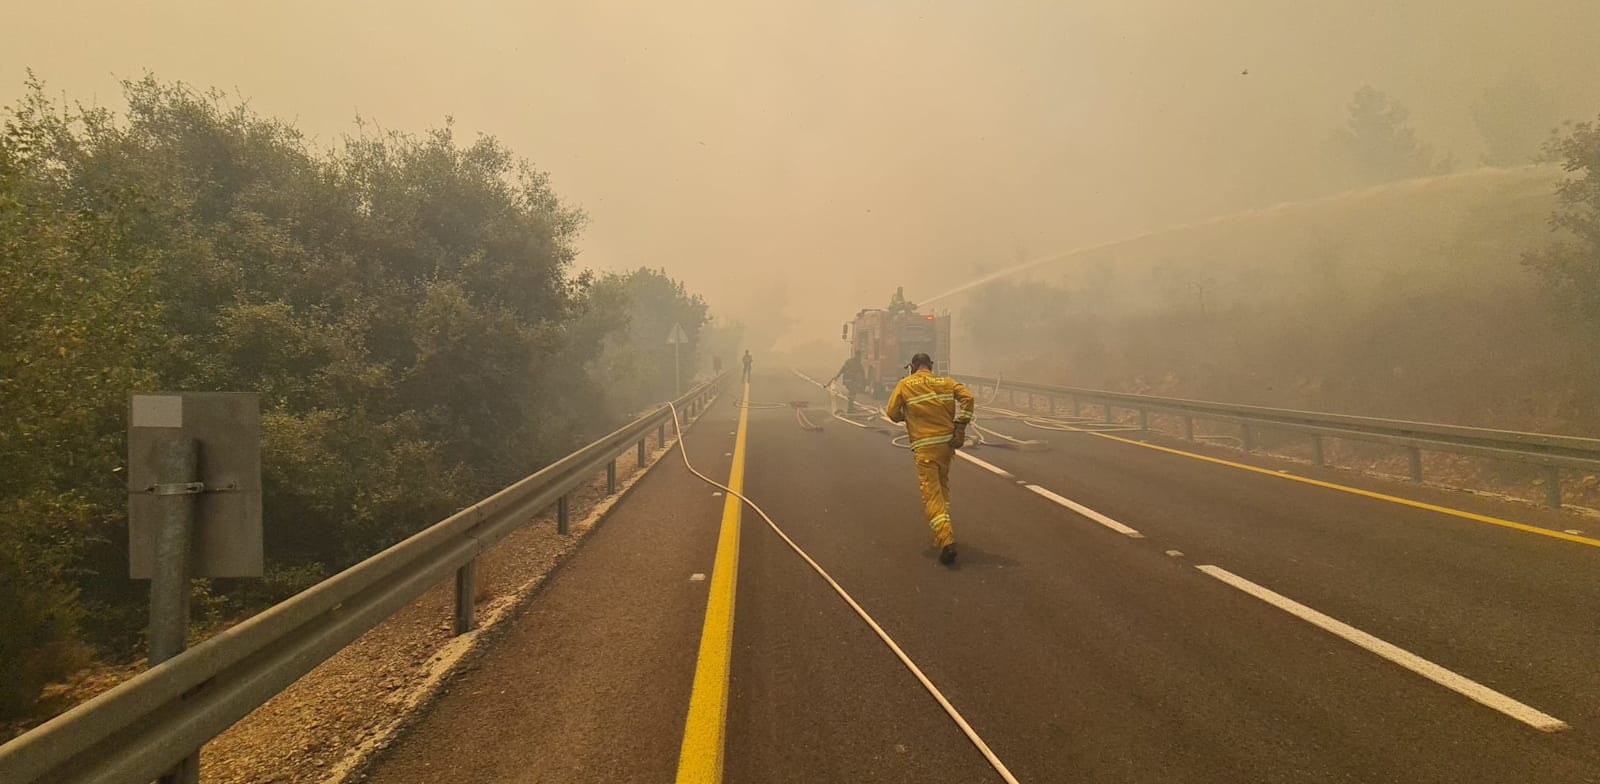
<point>803,159</point>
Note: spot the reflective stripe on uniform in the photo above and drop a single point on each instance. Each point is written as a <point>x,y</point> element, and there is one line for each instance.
<point>930,441</point>
<point>932,396</point>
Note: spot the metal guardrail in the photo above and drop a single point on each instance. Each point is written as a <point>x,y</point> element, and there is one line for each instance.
<point>140,729</point>
<point>1554,452</point>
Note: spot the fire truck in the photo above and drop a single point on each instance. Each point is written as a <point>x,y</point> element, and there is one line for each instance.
<point>886,338</point>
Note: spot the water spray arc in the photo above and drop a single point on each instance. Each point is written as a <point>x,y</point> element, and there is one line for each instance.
<point>1420,182</point>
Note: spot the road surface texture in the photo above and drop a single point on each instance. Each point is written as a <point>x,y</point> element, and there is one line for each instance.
<point>1118,614</point>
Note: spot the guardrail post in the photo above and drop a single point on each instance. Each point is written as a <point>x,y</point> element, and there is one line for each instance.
<point>1188,428</point>
<point>1552,489</point>
<point>1247,434</point>
<point>611,476</point>
<point>1144,420</point>
<point>1316,451</point>
<point>661,435</point>
<point>1108,411</point>
<point>1050,403</point>
<point>562,516</point>
<point>641,453</point>
<point>1416,465</point>
<point>466,597</point>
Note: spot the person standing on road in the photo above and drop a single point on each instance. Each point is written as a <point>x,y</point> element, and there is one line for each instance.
<point>747,362</point>
<point>935,411</point>
<point>853,376</point>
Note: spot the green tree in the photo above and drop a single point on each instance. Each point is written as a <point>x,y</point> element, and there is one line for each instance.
<point>1514,116</point>
<point>638,361</point>
<point>1380,144</point>
<point>1570,265</point>
<point>404,305</point>
<point>78,311</point>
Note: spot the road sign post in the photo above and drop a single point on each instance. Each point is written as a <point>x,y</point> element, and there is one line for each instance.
<point>194,509</point>
<point>177,486</point>
<point>677,337</point>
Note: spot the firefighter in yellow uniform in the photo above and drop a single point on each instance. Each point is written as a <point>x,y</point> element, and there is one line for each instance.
<point>936,411</point>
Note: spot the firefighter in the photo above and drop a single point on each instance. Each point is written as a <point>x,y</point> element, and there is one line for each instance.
<point>898,302</point>
<point>853,376</point>
<point>936,411</point>
<point>747,362</point>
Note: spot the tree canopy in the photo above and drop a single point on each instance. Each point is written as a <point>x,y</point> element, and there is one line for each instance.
<point>1380,143</point>
<point>404,305</point>
<point>1570,266</point>
<point>1514,115</point>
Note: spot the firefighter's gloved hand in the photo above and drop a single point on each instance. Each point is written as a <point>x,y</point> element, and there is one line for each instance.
<point>958,439</point>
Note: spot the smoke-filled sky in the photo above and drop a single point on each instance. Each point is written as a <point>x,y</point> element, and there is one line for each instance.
<point>809,156</point>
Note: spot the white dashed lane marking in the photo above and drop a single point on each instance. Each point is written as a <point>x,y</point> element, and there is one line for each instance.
<point>1087,512</point>
<point>1427,669</point>
<point>990,467</point>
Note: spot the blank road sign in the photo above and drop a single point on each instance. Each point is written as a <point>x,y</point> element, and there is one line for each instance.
<point>227,426</point>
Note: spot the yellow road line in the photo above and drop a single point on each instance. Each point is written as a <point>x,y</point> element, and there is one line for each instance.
<point>1524,527</point>
<point>700,757</point>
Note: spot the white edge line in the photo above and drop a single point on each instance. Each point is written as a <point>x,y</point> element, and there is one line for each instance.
<point>1427,669</point>
<point>990,467</point>
<point>1087,512</point>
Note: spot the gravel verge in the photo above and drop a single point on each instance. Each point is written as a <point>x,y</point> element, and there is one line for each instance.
<point>329,723</point>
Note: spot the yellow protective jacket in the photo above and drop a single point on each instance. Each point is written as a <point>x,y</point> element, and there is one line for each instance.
<point>930,406</point>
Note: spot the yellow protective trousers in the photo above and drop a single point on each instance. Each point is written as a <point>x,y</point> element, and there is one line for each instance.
<point>933,478</point>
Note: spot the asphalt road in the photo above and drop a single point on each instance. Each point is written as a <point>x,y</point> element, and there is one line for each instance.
<point>1076,651</point>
